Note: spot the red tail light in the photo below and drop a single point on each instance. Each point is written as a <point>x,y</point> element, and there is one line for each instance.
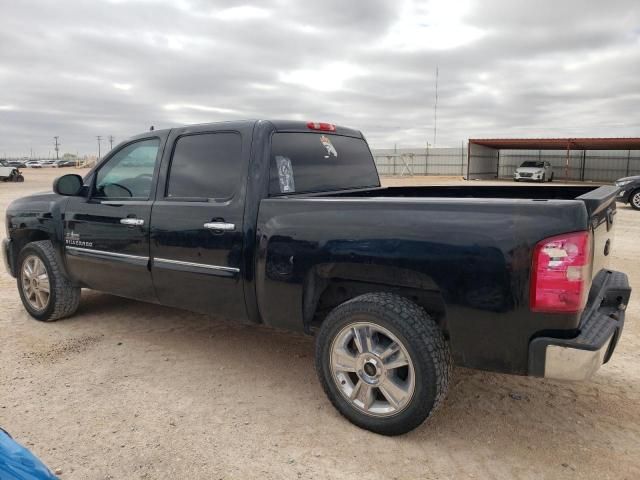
<point>327,127</point>
<point>561,273</point>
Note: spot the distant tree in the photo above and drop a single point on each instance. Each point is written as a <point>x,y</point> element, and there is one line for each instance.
<point>69,156</point>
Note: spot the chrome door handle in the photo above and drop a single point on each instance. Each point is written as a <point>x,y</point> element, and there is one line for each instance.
<point>132,221</point>
<point>225,227</point>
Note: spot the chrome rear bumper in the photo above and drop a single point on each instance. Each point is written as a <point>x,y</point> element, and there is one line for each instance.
<point>580,357</point>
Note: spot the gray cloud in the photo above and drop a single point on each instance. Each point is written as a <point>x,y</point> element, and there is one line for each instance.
<point>81,69</point>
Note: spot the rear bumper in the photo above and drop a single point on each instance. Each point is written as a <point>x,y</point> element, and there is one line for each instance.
<point>580,357</point>
<point>7,256</point>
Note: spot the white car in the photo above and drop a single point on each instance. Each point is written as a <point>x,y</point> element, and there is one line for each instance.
<point>33,164</point>
<point>537,171</point>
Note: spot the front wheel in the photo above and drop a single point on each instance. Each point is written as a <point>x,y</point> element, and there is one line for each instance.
<point>383,362</point>
<point>634,200</point>
<point>45,292</point>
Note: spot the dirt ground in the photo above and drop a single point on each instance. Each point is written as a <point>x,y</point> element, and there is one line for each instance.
<point>127,390</point>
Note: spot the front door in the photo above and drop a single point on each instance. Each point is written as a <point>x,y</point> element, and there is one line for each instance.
<point>106,234</point>
<point>196,223</point>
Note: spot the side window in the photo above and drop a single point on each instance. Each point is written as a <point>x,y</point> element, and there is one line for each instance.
<point>129,173</point>
<point>206,165</point>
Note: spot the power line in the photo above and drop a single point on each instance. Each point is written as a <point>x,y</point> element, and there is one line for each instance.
<point>111,139</point>
<point>435,111</point>
<point>57,146</point>
<point>99,137</point>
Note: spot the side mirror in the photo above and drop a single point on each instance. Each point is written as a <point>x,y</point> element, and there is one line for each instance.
<point>69,185</point>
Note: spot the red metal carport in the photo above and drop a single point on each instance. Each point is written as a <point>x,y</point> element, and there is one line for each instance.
<point>484,153</point>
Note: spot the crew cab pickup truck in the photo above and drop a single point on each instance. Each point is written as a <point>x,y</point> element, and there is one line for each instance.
<point>285,224</point>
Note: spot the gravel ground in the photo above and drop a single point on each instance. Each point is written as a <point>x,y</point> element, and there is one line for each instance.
<point>127,390</point>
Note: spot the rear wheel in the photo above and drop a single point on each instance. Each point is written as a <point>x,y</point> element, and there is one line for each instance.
<point>45,292</point>
<point>634,200</point>
<point>383,362</point>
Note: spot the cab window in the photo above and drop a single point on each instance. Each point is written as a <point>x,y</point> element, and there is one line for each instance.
<point>129,173</point>
<point>205,165</point>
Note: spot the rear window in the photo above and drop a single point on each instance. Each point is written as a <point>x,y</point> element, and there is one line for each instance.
<point>318,162</point>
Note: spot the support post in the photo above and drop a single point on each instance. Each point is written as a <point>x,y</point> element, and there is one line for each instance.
<point>566,165</point>
<point>468,158</point>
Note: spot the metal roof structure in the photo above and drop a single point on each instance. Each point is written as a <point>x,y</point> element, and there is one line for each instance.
<point>559,143</point>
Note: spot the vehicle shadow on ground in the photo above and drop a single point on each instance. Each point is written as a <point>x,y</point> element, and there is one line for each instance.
<point>485,413</point>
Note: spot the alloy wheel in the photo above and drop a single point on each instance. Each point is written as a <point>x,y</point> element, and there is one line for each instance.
<point>372,369</point>
<point>35,282</point>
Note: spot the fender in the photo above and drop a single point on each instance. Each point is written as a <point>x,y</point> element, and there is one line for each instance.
<point>34,218</point>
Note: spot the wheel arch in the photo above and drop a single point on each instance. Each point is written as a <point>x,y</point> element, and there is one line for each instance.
<point>329,285</point>
<point>634,192</point>
<point>22,237</point>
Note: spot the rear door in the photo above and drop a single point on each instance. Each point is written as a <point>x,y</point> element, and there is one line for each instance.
<point>106,234</point>
<point>196,224</point>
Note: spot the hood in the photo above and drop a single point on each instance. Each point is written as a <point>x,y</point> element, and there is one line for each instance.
<point>36,203</point>
<point>529,169</point>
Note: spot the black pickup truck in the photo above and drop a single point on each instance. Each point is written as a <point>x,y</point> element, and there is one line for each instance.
<point>285,224</point>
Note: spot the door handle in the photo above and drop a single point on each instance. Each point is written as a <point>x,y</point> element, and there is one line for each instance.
<point>132,221</point>
<point>222,226</point>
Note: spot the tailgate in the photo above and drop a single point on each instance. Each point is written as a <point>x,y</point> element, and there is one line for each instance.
<point>601,207</point>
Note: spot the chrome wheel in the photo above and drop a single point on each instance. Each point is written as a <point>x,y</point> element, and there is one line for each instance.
<point>35,282</point>
<point>372,369</point>
<point>635,200</point>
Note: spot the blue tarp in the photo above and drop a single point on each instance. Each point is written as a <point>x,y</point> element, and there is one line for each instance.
<point>18,463</point>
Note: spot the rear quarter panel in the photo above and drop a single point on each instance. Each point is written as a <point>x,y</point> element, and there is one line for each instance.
<point>475,253</point>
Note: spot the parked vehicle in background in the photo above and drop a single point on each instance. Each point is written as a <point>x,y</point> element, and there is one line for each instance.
<point>64,163</point>
<point>9,173</point>
<point>284,223</point>
<point>47,163</point>
<point>629,191</point>
<point>536,171</point>
<point>33,164</point>
<point>15,163</point>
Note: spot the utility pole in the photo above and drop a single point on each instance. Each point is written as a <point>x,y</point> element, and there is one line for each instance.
<point>435,111</point>
<point>99,138</point>
<point>111,139</point>
<point>57,146</point>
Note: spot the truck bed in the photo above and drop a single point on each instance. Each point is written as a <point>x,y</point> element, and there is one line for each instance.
<point>594,196</point>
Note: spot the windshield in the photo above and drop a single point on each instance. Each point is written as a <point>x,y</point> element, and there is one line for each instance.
<point>532,165</point>
<point>320,162</point>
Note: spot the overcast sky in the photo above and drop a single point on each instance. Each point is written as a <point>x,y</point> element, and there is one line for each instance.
<point>506,68</point>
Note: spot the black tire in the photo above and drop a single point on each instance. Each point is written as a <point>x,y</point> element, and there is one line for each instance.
<point>543,179</point>
<point>635,195</point>
<point>64,298</point>
<point>19,179</point>
<point>419,335</point>
<point>551,178</point>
